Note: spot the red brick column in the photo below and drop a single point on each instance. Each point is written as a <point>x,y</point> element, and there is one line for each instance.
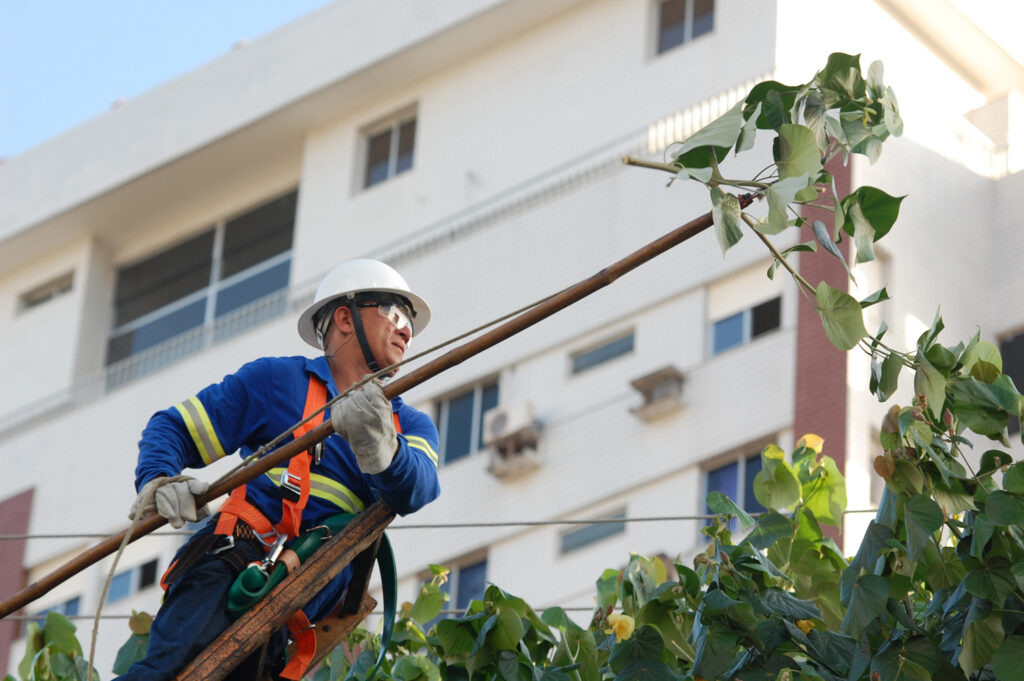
<point>820,403</point>
<point>14,517</point>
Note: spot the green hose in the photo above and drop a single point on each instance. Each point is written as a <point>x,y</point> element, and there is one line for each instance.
<point>253,583</point>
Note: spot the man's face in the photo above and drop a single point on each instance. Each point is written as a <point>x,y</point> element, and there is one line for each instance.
<point>387,340</point>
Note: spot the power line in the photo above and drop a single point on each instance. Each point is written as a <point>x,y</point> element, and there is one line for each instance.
<point>441,526</point>
<point>450,525</point>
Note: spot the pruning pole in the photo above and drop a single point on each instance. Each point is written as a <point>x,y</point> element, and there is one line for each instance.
<point>394,388</point>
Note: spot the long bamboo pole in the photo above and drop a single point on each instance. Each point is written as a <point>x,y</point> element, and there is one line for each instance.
<point>446,361</point>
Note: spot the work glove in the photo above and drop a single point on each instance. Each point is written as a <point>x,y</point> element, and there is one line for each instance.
<point>365,420</point>
<point>174,498</point>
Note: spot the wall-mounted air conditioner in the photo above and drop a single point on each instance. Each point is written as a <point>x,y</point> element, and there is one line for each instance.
<point>662,391</point>
<point>512,433</point>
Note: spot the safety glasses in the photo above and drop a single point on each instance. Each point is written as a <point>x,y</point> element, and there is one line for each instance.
<point>396,315</point>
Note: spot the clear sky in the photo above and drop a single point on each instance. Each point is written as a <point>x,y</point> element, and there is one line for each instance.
<point>63,62</point>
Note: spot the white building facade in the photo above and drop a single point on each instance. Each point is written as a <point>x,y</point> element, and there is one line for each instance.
<point>475,146</point>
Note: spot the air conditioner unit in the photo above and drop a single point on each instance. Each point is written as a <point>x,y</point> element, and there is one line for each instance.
<point>512,433</point>
<point>662,391</point>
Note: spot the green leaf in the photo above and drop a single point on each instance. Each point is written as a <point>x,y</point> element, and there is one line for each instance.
<point>984,407</point>
<point>841,316</point>
<point>1004,509</point>
<point>924,518</point>
<point>725,211</point>
<point>825,496</point>
<point>822,235</point>
<point>716,137</point>
<point>773,100</point>
<point>608,588</point>
<point>746,139</point>
<point>889,379</point>
<point>863,234</point>
<point>982,638</point>
<point>741,613</point>
<point>798,152</point>
<point>776,485</point>
<point>867,601</point>
<point>715,651</point>
<point>875,298</point>
<point>982,361</point>
<point>428,604</point>
<point>59,634</point>
<point>993,459</point>
<point>993,581</point>
<point>456,638</point>
<point>723,505</point>
<point>646,670</point>
<point>930,383</point>
<point>1013,479</point>
<point>508,631</point>
<point>1008,660</point>
<point>133,650</point>
<point>785,604</point>
<point>878,209</point>
<point>840,80</point>
<point>780,195</point>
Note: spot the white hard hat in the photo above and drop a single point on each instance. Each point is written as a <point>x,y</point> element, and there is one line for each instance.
<point>351,278</point>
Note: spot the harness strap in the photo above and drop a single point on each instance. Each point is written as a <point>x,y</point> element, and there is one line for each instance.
<point>305,646</point>
<point>298,466</point>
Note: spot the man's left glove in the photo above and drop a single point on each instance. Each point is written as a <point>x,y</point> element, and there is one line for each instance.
<point>366,421</point>
<point>174,498</point>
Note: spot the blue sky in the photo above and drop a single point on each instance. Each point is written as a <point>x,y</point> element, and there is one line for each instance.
<point>63,62</point>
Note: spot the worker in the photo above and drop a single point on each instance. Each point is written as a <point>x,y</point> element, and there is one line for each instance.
<point>362,317</point>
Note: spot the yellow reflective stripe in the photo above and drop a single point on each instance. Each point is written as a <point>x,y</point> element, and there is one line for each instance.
<point>424,446</point>
<point>324,488</point>
<point>201,429</point>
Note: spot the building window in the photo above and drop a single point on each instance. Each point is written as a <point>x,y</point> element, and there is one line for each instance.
<point>586,535</point>
<point>1012,350</point>
<point>389,148</point>
<point>745,325</point>
<point>680,21</point>
<point>70,608</point>
<point>46,292</point>
<point>127,582</point>
<point>736,481</point>
<point>199,282</point>
<point>460,420</point>
<point>587,359</point>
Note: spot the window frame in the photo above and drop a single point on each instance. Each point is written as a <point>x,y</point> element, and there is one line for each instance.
<point>689,10</point>
<point>748,334</point>
<point>392,123</point>
<point>603,528</point>
<point>590,357</point>
<point>215,285</point>
<point>443,404</point>
<point>135,576</point>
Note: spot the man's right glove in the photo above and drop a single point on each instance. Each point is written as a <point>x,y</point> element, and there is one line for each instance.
<point>366,421</point>
<point>174,498</point>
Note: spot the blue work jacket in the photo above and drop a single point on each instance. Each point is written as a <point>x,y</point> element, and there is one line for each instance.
<point>262,400</point>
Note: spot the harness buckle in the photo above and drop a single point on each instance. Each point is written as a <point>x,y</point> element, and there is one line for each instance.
<point>291,486</point>
<point>268,539</point>
<point>229,543</point>
<point>317,451</point>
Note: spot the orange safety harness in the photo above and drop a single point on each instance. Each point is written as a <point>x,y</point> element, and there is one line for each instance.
<point>295,485</point>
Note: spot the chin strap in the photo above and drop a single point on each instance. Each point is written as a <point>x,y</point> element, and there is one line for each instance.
<point>357,322</point>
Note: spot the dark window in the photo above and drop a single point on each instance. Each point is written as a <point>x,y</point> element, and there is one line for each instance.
<point>765,317</point>
<point>1012,350</point>
<point>743,326</point>
<point>390,151</point>
<point>46,292</point>
<point>190,285</point>
<point>460,420</point>
<point>736,481</point>
<point>120,586</point>
<point>581,361</point>
<point>590,534</point>
<point>680,21</point>
<point>147,574</point>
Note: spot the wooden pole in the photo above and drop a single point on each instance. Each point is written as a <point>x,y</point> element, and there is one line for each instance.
<point>270,614</point>
<point>396,387</point>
